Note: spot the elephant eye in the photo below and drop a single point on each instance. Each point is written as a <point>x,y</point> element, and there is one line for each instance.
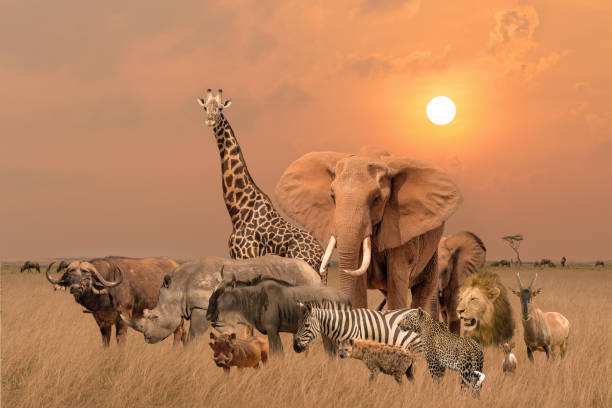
<point>333,197</point>
<point>376,198</point>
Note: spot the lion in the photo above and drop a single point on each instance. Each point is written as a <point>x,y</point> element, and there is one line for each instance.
<point>485,310</point>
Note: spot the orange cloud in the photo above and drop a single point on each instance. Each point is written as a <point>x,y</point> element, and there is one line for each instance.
<point>415,62</point>
<point>512,44</point>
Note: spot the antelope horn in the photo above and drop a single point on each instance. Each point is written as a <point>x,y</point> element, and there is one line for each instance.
<point>533,281</point>
<point>107,283</point>
<point>518,278</point>
<point>365,262</point>
<point>49,278</point>
<point>328,253</point>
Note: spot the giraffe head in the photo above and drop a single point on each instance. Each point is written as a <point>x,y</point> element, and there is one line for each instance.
<point>213,105</point>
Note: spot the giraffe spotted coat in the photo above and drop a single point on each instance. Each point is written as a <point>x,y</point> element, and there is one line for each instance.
<point>258,229</point>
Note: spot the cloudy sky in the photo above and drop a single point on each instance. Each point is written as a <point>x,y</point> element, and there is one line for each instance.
<point>105,151</point>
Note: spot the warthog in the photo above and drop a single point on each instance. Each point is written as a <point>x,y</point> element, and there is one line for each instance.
<point>110,286</point>
<point>186,292</point>
<point>270,305</point>
<point>231,351</point>
<point>27,265</point>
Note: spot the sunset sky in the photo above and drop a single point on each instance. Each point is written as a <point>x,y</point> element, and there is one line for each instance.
<point>105,150</point>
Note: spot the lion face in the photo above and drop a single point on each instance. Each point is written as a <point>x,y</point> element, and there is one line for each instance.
<point>476,307</point>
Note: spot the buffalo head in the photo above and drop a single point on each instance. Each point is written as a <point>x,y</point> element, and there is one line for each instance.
<point>83,278</point>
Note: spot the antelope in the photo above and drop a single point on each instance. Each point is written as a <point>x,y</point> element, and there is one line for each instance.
<point>509,364</point>
<point>542,331</point>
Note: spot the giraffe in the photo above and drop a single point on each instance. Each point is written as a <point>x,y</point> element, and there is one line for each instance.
<point>258,229</point>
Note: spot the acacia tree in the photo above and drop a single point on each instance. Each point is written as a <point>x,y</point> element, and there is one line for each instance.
<point>515,242</point>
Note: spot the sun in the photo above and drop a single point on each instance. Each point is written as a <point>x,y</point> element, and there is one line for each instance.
<point>441,110</point>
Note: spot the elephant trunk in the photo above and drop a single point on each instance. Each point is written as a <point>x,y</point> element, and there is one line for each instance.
<point>350,272</point>
<point>365,260</point>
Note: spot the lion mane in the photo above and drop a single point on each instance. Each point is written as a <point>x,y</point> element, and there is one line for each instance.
<point>500,326</point>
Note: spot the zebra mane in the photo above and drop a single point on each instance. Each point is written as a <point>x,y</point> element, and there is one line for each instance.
<point>327,304</point>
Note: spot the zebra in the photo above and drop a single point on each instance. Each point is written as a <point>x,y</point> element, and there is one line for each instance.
<point>365,324</point>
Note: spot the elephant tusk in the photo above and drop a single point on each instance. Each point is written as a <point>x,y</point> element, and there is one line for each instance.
<point>365,262</point>
<point>328,253</point>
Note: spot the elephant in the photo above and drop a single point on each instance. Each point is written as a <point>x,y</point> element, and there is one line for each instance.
<point>384,213</point>
<point>459,255</point>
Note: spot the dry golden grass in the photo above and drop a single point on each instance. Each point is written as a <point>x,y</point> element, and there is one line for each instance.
<point>52,356</point>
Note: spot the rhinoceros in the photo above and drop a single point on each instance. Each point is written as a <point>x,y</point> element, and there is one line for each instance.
<point>185,293</point>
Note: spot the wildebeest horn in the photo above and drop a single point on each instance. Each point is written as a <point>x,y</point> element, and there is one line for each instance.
<point>49,278</point>
<point>107,283</point>
<point>518,278</point>
<point>533,281</point>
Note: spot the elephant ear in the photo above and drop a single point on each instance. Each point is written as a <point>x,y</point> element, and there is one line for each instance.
<point>469,251</point>
<point>303,192</point>
<point>423,196</point>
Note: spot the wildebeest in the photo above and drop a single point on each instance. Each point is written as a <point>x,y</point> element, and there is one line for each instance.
<point>185,293</point>
<point>109,286</point>
<point>62,265</point>
<point>600,263</point>
<point>542,331</point>
<point>563,261</point>
<point>231,351</point>
<point>27,265</point>
<point>270,305</point>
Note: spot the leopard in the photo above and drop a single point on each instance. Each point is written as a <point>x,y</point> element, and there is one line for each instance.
<point>443,349</point>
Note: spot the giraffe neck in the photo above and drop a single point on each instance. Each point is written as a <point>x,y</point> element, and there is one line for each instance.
<point>235,178</point>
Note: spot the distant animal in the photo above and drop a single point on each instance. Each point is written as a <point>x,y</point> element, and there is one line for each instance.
<point>545,262</point>
<point>459,256</point>
<point>547,332</point>
<point>342,324</point>
<point>600,263</point>
<point>391,360</point>
<point>185,292</point>
<point>108,287</point>
<point>563,261</point>
<point>242,353</point>
<point>485,309</point>
<point>270,305</point>
<point>62,265</point>
<point>27,265</point>
<point>257,228</point>
<point>443,349</point>
<point>509,364</point>
<point>500,263</point>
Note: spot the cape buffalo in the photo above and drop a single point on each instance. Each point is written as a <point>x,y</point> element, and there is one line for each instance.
<point>109,286</point>
<point>27,265</point>
<point>185,293</point>
<point>270,305</point>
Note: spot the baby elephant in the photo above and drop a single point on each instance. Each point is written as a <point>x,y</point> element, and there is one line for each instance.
<point>509,364</point>
<point>230,351</point>
<point>391,360</point>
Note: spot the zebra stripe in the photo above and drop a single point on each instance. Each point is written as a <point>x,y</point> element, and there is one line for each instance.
<point>365,324</point>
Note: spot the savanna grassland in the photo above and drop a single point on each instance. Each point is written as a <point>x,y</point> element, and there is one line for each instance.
<point>52,356</point>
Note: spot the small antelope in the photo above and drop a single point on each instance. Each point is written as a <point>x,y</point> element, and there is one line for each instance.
<point>542,331</point>
<point>509,364</point>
